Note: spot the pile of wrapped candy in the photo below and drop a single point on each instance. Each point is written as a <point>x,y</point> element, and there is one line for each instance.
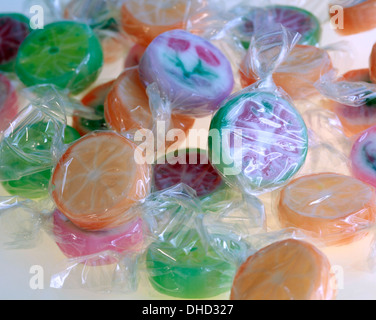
<point>282,174</point>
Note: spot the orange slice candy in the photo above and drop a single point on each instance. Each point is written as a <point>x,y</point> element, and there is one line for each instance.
<point>127,106</point>
<point>97,181</point>
<point>298,74</point>
<point>358,16</point>
<point>372,63</point>
<point>285,270</point>
<point>145,20</point>
<point>334,208</point>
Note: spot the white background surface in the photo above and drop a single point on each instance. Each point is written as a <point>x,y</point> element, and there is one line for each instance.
<point>15,264</point>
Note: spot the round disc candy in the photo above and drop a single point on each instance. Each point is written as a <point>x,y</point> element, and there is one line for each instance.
<point>358,16</point>
<point>293,18</point>
<point>258,141</point>
<point>94,99</point>
<point>298,73</point>
<point>97,181</point>
<point>67,54</point>
<point>192,73</point>
<point>363,157</point>
<point>14,28</point>
<point>191,167</point>
<point>33,139</point>
<point>335,208</point>
<point>75,242</point>
<point>145,20</point>
<point>191,272</point>
<point>8,102</point>
<point>285,270</point>
<point>127,107</point>
<point>355,120</point>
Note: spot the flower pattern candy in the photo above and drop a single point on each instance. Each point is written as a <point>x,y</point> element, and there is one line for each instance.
<point>190,72</point>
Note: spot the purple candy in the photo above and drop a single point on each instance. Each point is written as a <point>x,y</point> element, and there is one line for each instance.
<point>190,72</point>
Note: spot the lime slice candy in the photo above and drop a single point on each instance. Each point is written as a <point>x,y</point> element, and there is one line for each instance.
<point>67,54</point>
<point>33,139</point>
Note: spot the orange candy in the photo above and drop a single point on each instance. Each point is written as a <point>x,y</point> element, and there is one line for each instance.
<point>372,64</point>
<point>285,270</point>
<point>297,75</point>
<point>334,208</point>
<point>145,20</point>
<point>354,120</point>
<point>356,18</point>
<point>127,106</point>
<point>97,181</point>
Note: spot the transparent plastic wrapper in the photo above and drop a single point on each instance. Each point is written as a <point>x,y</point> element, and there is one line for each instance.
<point>21,221</point>
<point>285,270</point>
<point>245,18</point>
<point>336,209</point>
<point>104,261</point>
<point>120,276</point>
<point>14,29</point>
<point>258,140</point>
<point>192,75</point>
<point>180,260</point>
<point>144,20</point>
<point>130,107</point>
<point>351,97</point>
<point>9,103</point>
<point>362,156</point>
<point>100,15</point>
<point>67,54</point>
<point>112,180</point>
<point>33,141</point>
<point>299,72</point>
<point>191,167</point>
<point>352,16</point>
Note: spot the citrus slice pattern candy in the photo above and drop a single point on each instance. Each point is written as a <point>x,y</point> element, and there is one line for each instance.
<point>191,272</point>
<point>261,141</point>
<point>127,107</point>
<point>8,102</point>
<point>144,20</point>
<point>191,167</point>
<point>75,242</point>
<point>14,28</point>
<point>293,18</point>
<point>357,16</point>
<point>95,99</point>
<point>285,270</point>
<point>97,181</point>
<point>298,73</point>
<point>363,157</point>
<point>372,64</point>
<point>34,138</point>
<point>67,54</point>
<point>134,56</point>
<point>190,72</point>
<point>335,208</point>
<point>354,120</point>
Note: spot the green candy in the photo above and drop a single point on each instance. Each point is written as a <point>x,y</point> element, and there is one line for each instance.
<point>188,271</point>
<point>67,54</point>
<point>36,138</point>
